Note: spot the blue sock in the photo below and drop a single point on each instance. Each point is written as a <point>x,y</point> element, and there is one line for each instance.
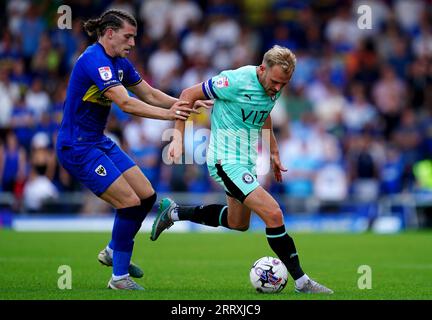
<point>127,223</point>
<point>121,261</point>
<point>122,242</point>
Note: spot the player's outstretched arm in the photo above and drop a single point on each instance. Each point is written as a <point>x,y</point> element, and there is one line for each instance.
<point>157,98</point>
<point>274,152</point>
<point>192,95</point>
<point>153,96</point>
<point>178,111</point>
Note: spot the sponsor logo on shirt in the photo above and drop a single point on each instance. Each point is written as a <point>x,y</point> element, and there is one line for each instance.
<point>120,75</point>
<point>105,73</point>
<point>222,82</point>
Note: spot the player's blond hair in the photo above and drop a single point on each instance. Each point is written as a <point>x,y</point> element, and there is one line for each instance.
<point>282,57</point>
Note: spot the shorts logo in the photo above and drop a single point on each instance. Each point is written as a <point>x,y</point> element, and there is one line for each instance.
<point>105,73</point>
<point>100,170</point>
<point>247,178</point>
<point>222,82</point>
<point>120,75</point>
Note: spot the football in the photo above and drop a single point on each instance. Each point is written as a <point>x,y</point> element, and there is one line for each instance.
<point>268,275</point>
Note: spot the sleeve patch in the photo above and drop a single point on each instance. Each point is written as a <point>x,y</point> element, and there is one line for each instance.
<point>105,73</point>
<point>222,82</point>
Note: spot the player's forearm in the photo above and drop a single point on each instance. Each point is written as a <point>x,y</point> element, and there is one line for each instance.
<point>142,109</point>
<point>161,99</point>
<point>274,149</point>
<point>179,129</point>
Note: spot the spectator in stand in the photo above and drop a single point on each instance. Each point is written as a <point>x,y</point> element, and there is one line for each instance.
<point>164,63</point>
<point>358,112</point>
<point>389,94</point>
<point>23,122</point>
<point>422,43</point>
<point>296,104</point>
<point>426,127</point>
<point>39,188</point>
<point>199,71</point>
<point>9,49</point>
<point>155,24</point>
<point>407,138</point>
<point>181,14</point>
<point>19,75</point>
<point>31,28</point>
<point>37,99</point>
<point>407,13</point>
<point>342,30</point>
<point>400,57</point>
<point>42,151</point>
<point>16,10</point>
<point>13,159</point>
<point>47,58</point>
<point>9,93</point>
<point>296,155</point>
<point>196,42</point>
<point>363,168</point>
<point>392,171</point>
<point>223,30</point>
<point>420,83</point>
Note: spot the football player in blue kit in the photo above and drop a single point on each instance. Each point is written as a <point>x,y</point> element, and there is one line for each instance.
<point>100,76</point>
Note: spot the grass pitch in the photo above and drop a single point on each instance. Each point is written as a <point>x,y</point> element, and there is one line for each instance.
<point>214,266</point>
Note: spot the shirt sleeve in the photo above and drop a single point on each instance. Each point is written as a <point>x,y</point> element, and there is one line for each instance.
<point>101,73</point>
<point>131,77</point>
<point>221,87</point>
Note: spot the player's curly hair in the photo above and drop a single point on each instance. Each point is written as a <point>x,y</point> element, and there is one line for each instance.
<point>113,18</point>
<point>281,56</point>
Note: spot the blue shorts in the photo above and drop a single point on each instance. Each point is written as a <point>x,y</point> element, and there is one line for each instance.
<point>96,165</point>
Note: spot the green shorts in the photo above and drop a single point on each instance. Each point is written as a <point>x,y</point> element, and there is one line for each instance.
<point>238,180</point>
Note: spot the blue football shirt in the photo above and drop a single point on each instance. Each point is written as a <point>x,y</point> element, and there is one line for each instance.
<point>86,109</point>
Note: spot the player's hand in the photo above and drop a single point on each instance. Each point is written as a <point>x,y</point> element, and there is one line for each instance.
<point>175,150</point>
<point>277,166</point>
<point>206,104</point>
<point>180,111</point>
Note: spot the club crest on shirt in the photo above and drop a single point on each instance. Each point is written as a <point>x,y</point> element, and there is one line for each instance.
<point>120,75</point>
<point>105,73</point>
<point>100,170</point>
<point>247,178</point>
<point>222,82</point>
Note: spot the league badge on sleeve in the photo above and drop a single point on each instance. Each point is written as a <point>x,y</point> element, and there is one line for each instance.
<point>105,73</point>
<point>222,82</point>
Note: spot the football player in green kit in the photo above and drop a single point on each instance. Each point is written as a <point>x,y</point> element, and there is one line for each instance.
<point>243,99</point>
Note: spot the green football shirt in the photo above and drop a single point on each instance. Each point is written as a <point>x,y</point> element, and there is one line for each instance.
<point>240,109</point>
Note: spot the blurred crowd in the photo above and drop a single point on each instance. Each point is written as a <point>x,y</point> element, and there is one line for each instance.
<point>354,122</point>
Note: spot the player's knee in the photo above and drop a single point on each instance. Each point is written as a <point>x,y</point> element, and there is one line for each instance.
<point>243,228</point>
<point>274,217</point>
<point>131,200</point>
<point>240,227</point>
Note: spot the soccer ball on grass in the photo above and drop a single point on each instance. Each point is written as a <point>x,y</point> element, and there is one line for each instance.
<point>268,275</point>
